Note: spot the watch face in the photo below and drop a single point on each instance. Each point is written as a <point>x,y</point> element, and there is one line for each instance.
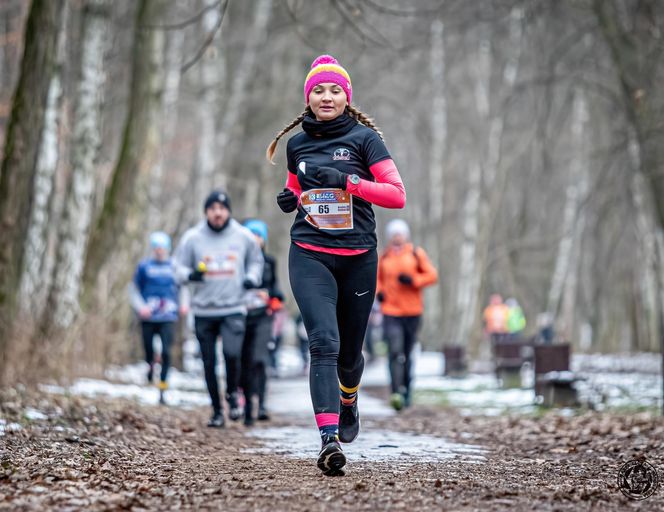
<point>354,179</point>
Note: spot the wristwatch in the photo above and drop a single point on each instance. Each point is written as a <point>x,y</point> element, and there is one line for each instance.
<point>354,179</point>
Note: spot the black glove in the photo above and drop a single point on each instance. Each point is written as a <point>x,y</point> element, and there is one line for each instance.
<point>287,200</point>
<point>405,279</point>
<point>329,177</point>
<point>307,177</point>
<point>380,296</point>
<point>248,284</point>
<point>196,276</point>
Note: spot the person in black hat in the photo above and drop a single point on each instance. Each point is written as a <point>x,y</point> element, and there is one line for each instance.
<point>222,260</point>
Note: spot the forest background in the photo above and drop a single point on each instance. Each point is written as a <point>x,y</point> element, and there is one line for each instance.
<point>529,134</point>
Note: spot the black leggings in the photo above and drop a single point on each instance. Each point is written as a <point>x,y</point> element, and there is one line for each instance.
<point>166,331</point>
<point>334,294</point>
<point>232,332</point>
<point>401,335</point>
<point>256,356</point>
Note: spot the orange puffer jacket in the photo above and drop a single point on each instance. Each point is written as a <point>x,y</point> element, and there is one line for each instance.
<point>401,299</point>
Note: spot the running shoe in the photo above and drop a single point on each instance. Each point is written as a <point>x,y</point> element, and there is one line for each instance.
<point>331,458</point>
<point>396,401</point>
<point>150,374</point>
<point>262,414</point>
<point>234,411</point>
<point>216,421</point>
<point>349,422</point>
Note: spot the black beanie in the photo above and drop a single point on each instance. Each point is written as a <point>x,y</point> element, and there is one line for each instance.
<point>218,196</point>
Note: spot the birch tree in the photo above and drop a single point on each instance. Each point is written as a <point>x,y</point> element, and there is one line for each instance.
<point>139,143</point>
<point>78,208</point>
<point>485,193</point>
<point>574,239</point>
<point>437,157</point>
<point>18,170</point>
<point>38,263</point>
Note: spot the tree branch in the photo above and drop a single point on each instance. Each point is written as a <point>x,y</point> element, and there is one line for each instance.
<point>208,40</point>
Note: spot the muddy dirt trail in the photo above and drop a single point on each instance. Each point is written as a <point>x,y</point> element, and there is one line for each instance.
<point>113,454</point>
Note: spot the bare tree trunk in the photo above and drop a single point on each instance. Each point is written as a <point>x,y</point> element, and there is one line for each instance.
<point>579,179</point>
<point>17,173</point>
<point>436,164</point>
<point>642,100</point>
<point>212,75</point>
<point>138,149</point>
<point>466,299</point>
<point>473,273</point>
<point>38,262</point>
<point>173,63</point>
<point>63,299</point>
<point>242,73</point>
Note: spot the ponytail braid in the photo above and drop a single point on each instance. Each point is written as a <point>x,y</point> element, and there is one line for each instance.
<point>269,153</point>
<point>364,119</point>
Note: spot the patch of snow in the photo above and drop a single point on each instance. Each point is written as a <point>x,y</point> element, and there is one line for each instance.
<point>372,445</point>
<point>8,427</point>
<point>34,414</point>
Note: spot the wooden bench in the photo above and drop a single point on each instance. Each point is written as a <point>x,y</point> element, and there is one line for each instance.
<point>554,381</point>
<point>455,361</point>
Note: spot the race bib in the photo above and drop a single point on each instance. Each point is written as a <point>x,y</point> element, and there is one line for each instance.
<point>328,208</point>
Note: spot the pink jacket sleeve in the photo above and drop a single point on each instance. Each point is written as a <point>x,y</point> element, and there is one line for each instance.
<point>293,185</point>
<point>387,191</point>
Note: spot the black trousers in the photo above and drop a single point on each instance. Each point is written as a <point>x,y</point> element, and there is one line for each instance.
<point>166,331</point>
<point>400,332</point>
<point>334,294</point>
<point>232,329</point>
<point>256,356</point>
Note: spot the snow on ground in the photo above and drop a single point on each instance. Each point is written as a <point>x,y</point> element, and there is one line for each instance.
<point>371,445</point>
<point>606,382</point>
<point>8,427</point>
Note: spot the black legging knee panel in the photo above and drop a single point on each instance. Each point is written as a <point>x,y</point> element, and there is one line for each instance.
<point>334,294</point>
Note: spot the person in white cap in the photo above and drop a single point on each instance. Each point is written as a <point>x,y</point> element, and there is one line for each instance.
<point>403,271</point>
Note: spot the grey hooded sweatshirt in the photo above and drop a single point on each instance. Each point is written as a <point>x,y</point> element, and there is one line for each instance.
<point>230,256</point>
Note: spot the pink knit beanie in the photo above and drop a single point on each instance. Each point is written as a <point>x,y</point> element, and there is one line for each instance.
<point>326,69</point>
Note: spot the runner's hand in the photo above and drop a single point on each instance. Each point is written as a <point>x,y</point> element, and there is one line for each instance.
<point>405,279</point>
<point>145,312</point>
<point>248,284</point>
<point>287,200</point>
<point>307,176</point>
<point>331,177</point>
<point>196,276</point>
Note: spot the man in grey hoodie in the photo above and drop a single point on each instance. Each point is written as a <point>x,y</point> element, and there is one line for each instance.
<point>222,259</point>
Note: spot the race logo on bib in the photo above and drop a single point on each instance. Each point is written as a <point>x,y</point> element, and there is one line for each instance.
<point>328,208</point>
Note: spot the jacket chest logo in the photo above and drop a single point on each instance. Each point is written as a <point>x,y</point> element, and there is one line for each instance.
<point>341,154</point>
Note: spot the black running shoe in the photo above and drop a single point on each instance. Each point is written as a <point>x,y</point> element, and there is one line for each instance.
<point>234,411</point>
<point>349,422</point>
<point>216,421</point>
<point>262,414</point>
<point>331,458</point>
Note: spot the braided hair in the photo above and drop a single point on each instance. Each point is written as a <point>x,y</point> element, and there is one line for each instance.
<point>353,111</point>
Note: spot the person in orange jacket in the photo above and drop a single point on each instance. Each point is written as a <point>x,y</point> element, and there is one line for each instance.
<point>495,319</point>
<point>403,271</point>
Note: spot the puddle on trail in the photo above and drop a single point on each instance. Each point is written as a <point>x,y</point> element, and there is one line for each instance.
<point>370,446</point>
